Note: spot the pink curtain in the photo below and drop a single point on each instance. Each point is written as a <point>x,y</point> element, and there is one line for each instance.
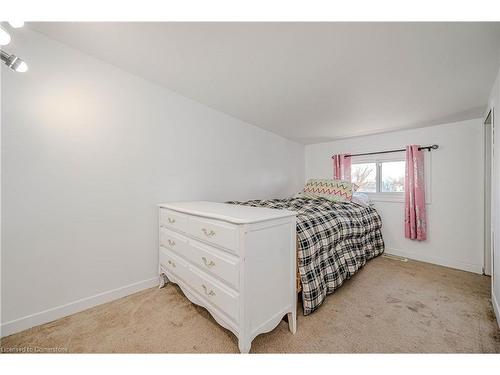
<point>415,223</point>
<point>342,167</point>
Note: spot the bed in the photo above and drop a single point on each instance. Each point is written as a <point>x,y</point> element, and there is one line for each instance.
<point>334,240</point>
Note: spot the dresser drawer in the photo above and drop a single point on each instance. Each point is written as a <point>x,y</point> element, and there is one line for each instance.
<point>172,263</point>
<point>215,293</point>
<point>173,241</point>
<point>214,231</point>
<point>173,220</point>
<point>216,262</point>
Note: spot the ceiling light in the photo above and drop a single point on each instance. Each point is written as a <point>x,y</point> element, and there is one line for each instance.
<point>4,37</point>
<point>20,65</point>
<point>14,62</point>
<point>16,24</point>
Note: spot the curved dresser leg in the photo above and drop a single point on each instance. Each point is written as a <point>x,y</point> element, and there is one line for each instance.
<point>244,346</point>
<point>163,280</point>
<point>292,321</point>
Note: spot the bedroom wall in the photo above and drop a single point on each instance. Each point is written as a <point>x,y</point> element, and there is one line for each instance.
<point>88,150</point>
<point>494,104</point>
<point>455,211</point>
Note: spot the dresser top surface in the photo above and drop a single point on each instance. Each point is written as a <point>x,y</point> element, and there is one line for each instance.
<point>228,212</point>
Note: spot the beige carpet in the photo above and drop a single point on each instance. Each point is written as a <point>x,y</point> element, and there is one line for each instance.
<point>388,307</point>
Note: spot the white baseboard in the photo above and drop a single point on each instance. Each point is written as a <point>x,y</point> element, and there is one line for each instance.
<point>476,268</point>
<point>496,307</point>
<point>42,317</point>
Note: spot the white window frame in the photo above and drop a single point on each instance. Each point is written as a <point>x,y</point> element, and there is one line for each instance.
<point>397,197</point>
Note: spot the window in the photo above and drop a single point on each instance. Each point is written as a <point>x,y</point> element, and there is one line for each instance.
<point>379,177</point>
<point>392,177</point>
<point>365,176</point>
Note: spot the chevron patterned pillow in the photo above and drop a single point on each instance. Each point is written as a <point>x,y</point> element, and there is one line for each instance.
<point>333,190</point>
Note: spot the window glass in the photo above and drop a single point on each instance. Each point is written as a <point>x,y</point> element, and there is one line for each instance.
<point>393,177</point>
<point>365,176</point>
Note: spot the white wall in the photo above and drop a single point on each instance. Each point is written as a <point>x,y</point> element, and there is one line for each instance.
<point>88,151</point>
<point>494,104</point>
<point>455,212</point>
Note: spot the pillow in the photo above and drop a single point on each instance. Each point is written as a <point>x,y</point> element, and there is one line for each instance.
<point>362,199</point>
<point>333,190</point>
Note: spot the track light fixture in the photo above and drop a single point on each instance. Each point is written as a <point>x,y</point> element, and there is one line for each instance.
<point>4,37</point>
<point>14,62</point>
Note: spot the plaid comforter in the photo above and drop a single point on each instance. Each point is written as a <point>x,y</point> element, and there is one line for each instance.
<point>334,241</point>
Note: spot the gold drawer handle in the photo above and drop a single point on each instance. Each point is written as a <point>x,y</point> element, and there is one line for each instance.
<point>211,293</point>
<point>171,263</point>
<point>171,243</point>
<point>210,233</point>
<point>171,221</point>
<point>207,263</point>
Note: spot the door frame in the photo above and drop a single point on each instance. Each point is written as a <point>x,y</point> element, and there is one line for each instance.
<point>488,127</point>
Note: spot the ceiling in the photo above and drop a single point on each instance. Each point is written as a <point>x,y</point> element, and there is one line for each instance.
<point>309,82</point>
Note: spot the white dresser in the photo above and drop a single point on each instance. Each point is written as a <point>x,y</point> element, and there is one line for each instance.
<point>236,261</point>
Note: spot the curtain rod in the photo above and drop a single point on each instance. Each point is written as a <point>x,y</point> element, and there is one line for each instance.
<point>428,148</point>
